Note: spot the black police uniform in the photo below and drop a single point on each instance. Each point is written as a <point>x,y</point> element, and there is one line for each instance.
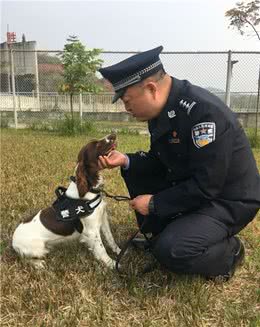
<point>201,171</point>
<point>206,187</point>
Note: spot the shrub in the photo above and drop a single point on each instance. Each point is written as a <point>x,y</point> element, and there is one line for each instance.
<point>41,126</point>
<point>67,126</point>
<point>254,139</point>
<point>4,122</point>
<point>71,126</point>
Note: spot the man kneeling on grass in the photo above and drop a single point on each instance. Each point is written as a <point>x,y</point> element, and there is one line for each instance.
<point>198,186</point>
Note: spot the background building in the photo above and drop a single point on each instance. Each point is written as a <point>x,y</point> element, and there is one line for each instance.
<point>24,66</point>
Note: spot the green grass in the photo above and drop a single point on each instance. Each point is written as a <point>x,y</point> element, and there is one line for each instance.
<point>75,290</point>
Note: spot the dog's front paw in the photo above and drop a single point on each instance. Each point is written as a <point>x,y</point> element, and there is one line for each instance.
<point>117,250</point>
<point>38,263</point>
<point>111,264</point>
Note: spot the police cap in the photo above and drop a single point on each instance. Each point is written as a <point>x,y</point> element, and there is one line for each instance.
<point>132,70</point>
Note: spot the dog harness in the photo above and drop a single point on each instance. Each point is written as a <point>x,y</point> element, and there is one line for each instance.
<point>68,209</point>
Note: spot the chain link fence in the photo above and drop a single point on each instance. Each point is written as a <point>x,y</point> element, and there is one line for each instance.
<point>29,84</point>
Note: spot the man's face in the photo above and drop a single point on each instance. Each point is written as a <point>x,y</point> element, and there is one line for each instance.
<point>140,101</point>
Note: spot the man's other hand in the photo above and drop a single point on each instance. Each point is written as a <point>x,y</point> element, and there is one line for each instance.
<point>140,203</point>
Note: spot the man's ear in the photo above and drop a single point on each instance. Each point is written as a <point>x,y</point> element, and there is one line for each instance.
<point>81,179</point>
<point>152,87</point>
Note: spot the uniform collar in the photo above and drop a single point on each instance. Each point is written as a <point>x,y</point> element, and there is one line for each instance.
<point>163,122</point>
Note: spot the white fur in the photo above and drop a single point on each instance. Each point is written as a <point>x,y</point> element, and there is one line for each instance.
<point>34,241</point>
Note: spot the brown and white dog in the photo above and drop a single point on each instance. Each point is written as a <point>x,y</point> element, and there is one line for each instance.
<point>35,236</point>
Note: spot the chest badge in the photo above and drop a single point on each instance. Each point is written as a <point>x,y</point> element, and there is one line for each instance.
<point>203,134</point>
<point>171,114</point>
<point>174,139</point>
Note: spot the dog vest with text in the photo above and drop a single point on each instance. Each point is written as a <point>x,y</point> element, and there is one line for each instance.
<point>68,209</point>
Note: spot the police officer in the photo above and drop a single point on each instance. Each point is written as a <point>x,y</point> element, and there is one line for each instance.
<point>198,185</point>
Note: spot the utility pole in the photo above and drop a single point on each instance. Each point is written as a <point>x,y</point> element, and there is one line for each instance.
<point>230,65</point>
<point>9,61</point>
<point>257,104</point>
<point>11,38</point>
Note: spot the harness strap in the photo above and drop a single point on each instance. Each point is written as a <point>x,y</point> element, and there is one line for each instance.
<point>68,209</point>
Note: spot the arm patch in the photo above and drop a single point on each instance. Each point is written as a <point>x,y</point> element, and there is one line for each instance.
<point>203,133</point>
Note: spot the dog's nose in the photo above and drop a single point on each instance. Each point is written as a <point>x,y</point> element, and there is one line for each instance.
<point>111,137</point>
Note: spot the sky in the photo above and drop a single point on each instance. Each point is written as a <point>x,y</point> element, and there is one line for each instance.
<point>139,25</point>
<point>178,25</point>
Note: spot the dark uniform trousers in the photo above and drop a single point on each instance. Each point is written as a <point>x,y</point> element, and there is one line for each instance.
<point>191,243</point>
<point>209,192</point>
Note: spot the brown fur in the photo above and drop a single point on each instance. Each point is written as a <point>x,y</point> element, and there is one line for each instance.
<point>81,179</point>
<point>49,220</point>
<point>87,170</point>
<point>29,215</point>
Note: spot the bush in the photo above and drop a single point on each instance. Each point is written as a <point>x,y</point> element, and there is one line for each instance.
<point>4,122</point>
<point>71,126</point>
<point>66,127</point>
<point>254,140</point>
<point>41,126</point>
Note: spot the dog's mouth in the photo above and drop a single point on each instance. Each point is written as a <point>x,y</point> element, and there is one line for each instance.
<point>109,144</point>
<point>111,148</point>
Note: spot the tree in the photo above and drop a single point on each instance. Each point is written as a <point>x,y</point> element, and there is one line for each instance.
<point>245,15</point>
<point>241,17</point>
<point>45,58</point>
<point>80,66</point>
<point>50,71</point>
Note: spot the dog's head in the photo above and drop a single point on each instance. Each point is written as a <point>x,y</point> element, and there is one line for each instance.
<point>87,168</point>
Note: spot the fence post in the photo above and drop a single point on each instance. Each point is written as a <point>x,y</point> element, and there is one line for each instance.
<point>13,87</point>
<point>80,106</point>
<point>93,102</point>
<point>37,79</point>
<point>228,81</point>
<point>257,104</point>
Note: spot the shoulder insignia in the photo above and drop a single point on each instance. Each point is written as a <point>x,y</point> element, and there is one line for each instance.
<point>142,154</point>
<point>203,134</point>
<point>187,105</point>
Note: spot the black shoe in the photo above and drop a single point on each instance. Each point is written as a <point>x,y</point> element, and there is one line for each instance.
<point>239,257</point>
<point>150,266</point>
<point>237,261</point>
<point>140,243</point>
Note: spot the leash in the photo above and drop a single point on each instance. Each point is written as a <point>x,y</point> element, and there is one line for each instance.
<point>126,246</point>
<point>128,243</point>
<point>119,198</point>
<point>116,197</point>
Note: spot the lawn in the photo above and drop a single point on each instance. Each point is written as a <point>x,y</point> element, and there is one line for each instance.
<point>75,290</point>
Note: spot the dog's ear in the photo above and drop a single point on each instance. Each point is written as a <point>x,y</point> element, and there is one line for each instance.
<point>81,179</point>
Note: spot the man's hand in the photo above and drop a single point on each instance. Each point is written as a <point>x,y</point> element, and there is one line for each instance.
<point>112,160</point>
<point>140,203</point>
